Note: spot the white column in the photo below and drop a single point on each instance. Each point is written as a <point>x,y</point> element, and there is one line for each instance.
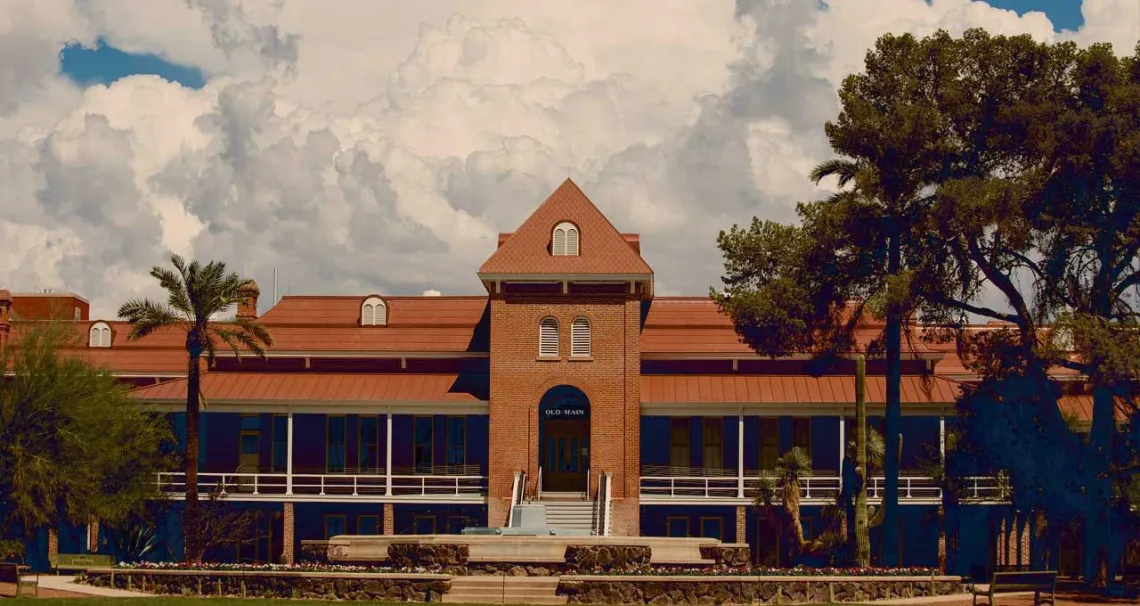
<point>388,458</point>
<point>289,454</point>
<point>740,455</point>
<point>942,438</point>
<point>842,443</point>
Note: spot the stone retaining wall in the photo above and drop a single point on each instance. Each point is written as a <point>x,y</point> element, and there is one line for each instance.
<point>749,590</point>
<point>294,585</point>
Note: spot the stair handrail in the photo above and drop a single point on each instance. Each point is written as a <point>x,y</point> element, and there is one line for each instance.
<point>514,499</point>
<point>538,487</point>
<point>587,483</point>
<point>605,485</point>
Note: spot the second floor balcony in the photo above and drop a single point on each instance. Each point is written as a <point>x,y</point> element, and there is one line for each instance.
<point>704,486</point>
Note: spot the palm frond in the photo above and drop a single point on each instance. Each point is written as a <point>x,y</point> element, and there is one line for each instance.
<point>146,316</point>
<point>845,170</point>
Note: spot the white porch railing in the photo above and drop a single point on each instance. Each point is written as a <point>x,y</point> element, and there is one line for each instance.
<point>816,488</point>
<point>243,486</point>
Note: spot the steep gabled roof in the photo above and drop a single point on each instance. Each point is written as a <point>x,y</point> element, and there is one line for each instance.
<point>603,250</point>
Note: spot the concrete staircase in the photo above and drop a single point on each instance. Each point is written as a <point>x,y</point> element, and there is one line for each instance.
<point>503,590</point>
<point>570,514</point>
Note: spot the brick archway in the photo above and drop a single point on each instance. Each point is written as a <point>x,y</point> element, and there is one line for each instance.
<point>564,439</point>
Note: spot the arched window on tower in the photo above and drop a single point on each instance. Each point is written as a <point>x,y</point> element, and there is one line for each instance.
<point>548,338</point>
<point>580,338</point>
<point>374,312</point>
<point>565,241</point>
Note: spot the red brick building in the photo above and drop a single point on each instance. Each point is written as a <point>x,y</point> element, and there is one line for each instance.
<point>568,383</point>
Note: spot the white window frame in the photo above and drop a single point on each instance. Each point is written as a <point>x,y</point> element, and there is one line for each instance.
<point>580,344</point>
<point>99,335</point>
<point>374,312</point>
<point>548,337</point>
<point>565,240</point>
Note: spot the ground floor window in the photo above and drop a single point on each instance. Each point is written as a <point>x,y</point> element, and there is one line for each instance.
<point>712,528</point>
<point>677,527</point>
<point>769,443</point>
<point>679,442</point>
<point>456,441</point>
<point>367,525</point>
<point>334,452</point>
<point>713,428</point>
<point>456,524</point>
<point>424,524</point>
<point>335,524</point>
<point>423,440</point>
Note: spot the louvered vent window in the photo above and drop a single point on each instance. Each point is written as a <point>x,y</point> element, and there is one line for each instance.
<point>580,337</point>
<point>100,335</point>
<point>548,337</point>
<point>374,313</point>
<point>565,241</point>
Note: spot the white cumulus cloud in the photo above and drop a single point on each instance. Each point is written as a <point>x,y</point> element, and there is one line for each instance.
<point>380,146</point>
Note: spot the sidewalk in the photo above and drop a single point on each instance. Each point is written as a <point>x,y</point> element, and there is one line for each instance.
<point>68,584</point>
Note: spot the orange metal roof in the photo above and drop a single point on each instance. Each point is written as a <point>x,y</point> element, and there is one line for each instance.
<point>696,325</point>
<point>786,388</point>
<point>602,249</point>
<point>1081,406</point>
<point>402,311</point>
<point>331,387</point>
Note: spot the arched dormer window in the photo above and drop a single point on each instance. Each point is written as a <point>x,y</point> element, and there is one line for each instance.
<point>580,338</point>
<point>100,335</point>
<point>548,338</point>
<point>565,242</point>
<point>374,312</point>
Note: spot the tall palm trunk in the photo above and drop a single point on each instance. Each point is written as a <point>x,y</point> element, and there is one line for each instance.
<point>1098,566</point>
<point>894,410</point>
<point>862,538</point>
<point>191,549</point>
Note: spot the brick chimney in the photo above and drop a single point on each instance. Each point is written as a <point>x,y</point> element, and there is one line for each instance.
<point>5,315</point>
<point>247,308</point>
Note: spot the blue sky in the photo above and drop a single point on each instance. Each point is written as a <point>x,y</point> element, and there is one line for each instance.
<point>105,64</point>
<point>1065,14</point>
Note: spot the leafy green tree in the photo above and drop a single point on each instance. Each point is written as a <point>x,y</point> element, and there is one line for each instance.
<point>73,444</point>
<point>999,165</point>
<point>889,139</point>
<point>1038,203</point>
<point>196,295</point>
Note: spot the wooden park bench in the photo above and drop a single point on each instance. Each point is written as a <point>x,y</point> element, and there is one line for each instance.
<point>80,561</point>
<point>10,573</point>
<point>1041,583</point>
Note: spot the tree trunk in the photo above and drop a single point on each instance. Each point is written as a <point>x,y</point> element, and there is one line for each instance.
<point>791,498</point>
<point>862,537</point>
<point>191,547</point>
<point>893,405</point>
<point>1098,566</point>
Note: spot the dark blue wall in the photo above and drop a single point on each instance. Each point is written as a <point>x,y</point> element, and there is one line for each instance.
<point>654,519</point>
<point>405,517</point>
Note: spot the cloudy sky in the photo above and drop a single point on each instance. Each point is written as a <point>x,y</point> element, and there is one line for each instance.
<point>379,145</point>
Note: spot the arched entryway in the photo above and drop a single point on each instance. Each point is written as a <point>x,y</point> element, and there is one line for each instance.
<point>564,438</point>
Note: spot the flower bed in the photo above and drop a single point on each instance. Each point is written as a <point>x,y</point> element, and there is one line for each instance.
<point>739,589</point>
<point>277,582</point>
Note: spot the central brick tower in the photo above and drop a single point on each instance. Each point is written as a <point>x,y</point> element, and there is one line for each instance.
<point>566,291</point>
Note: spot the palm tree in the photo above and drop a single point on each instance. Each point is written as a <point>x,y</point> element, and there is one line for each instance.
<point>882,208</point>
<point>195,296</point>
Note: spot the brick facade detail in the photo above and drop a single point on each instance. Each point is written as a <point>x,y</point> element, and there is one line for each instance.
<point>742,524</point>
<point>610,379</point>
<point>389,519</point>
<point>53,543</point>
<point>93,535</point>
<point>287,536</point>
